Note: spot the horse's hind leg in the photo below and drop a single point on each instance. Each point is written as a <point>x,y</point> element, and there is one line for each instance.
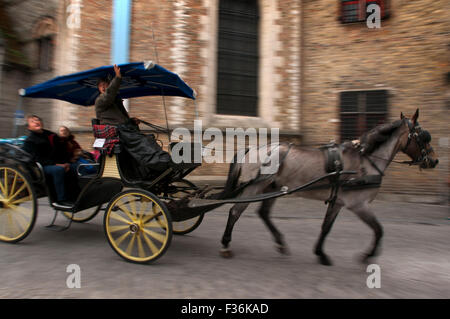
<point>233,216</point>
<point>328,222</point>
<point>366,215</point>
<point>264,212</point>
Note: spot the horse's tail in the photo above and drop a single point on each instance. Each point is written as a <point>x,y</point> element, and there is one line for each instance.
<point>232,180</point>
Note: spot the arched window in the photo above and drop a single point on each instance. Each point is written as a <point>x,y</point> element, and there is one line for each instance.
<point>238,58</point>
<point>44,34</point>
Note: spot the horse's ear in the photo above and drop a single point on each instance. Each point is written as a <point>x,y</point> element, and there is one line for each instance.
<point>402,116</point>
<point>415,116</point>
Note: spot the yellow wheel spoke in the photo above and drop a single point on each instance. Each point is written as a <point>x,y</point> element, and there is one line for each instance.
<point>13,187</point>
<point>126,211</point>
<point>133,208</point>
<point>22,200</point>
<point>18,191</point>
<point>150,244</point>
<point>2,186</point>
<point>159,237</point>
<point>12,225</point>
<point>6,182</point>
<point>148,217</point>
<point>156,224</point>
<point>122,238</point>
<point>130,245</point>
<point>140,247</point>
<point>26,212</point>
<point>116,216</point>
<point>113,229</point>
<point>21,221</point>
<point>142,210</point>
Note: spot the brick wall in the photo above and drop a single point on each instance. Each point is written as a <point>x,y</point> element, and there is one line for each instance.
<point>313,57</point>
<point>408,56</point>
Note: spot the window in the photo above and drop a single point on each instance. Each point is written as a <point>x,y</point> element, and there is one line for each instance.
<point>356,10</point>
<point>237,72</point>
<point>45,52</point>
<point>44,35</point>
<point>361,111</point>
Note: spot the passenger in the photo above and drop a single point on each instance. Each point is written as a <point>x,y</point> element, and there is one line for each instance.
<point>109,109</point>
<point>46,149</point>
<point>73,149</point>
<point>75,154</point>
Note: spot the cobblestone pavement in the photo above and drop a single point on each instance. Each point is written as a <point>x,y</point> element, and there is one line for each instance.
<point>414,261</point>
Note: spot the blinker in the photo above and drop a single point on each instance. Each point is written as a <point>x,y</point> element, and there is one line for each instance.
<point>425,136</point>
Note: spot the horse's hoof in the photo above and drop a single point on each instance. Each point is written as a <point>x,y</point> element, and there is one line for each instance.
<point>284,250</point>
<point>226,253</point>
<point>324,260</point>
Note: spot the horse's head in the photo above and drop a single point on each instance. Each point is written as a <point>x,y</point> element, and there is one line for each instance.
<point>416,143</point>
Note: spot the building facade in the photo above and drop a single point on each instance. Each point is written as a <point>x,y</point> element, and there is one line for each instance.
<point>312,68</point>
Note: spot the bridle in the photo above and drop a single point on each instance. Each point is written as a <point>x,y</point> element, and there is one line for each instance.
<point>422,138</point>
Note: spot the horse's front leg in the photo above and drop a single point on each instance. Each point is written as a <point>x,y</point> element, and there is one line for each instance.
<point>328,222</point>
<point>367,216</point>
<point>233,216</point>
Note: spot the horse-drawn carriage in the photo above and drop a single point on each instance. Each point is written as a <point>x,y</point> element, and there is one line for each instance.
<point>142,214</point>
<point>135,207</point>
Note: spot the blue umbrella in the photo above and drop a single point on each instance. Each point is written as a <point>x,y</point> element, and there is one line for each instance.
<point>138,79</point>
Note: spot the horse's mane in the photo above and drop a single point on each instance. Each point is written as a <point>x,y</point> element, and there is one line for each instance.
<point>374,138</point>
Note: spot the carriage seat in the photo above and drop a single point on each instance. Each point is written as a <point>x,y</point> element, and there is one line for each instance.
<point>109,133</point>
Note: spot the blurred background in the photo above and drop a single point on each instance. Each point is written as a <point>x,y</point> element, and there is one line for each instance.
<point>312,68</point>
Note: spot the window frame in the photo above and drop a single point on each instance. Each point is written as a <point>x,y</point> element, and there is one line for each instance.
<point>45,53</point>
<point>385,6</point>
<point>362,115</point>
<point>233,56</point>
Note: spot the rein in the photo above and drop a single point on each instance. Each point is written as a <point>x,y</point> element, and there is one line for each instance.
<point>420,137</point>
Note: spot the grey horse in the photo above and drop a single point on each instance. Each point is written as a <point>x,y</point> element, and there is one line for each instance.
<point>369,157</point>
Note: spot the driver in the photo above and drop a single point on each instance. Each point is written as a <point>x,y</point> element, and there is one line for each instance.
<point>109,107</point>
<point>143,148</point>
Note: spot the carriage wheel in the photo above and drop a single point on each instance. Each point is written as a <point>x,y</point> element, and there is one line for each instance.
<point>84,215</point>
<point>138,226</point>
<point>185,187</point>
<point>18,205</point>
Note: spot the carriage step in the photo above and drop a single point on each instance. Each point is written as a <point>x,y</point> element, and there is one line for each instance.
<point>59,228</point>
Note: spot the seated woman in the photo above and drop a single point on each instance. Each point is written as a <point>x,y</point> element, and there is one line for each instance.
<point>75,154</point>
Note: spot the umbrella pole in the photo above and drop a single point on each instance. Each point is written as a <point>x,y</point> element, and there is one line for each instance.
<point>162,90</point>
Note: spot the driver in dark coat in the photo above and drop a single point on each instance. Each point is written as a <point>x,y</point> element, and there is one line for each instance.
<point>109,107</point>
<point>110,110</point>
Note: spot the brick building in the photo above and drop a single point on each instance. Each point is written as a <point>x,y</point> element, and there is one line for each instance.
<point>312,68</point>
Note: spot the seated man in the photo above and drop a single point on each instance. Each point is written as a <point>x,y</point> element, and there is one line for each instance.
<point>109,109</point>
<point>46,149</point>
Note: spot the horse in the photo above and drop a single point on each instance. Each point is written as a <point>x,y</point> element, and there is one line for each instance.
<point>368,158</point>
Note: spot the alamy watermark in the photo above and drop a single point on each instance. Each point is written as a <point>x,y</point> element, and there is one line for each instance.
<point>74,279</point>
<point>374,279</point>
<point>238,145</point>
<point>373,21</point>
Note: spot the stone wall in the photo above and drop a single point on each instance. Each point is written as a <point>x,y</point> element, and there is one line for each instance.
<point>409,56</point>
<point>307,58</point>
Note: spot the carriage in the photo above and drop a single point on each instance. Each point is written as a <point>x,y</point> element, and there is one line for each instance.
<point>142,214</point>
<point>137,223</point>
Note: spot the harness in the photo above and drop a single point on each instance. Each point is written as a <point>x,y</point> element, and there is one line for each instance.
<point>422,138</point>
<point>333,163</point>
